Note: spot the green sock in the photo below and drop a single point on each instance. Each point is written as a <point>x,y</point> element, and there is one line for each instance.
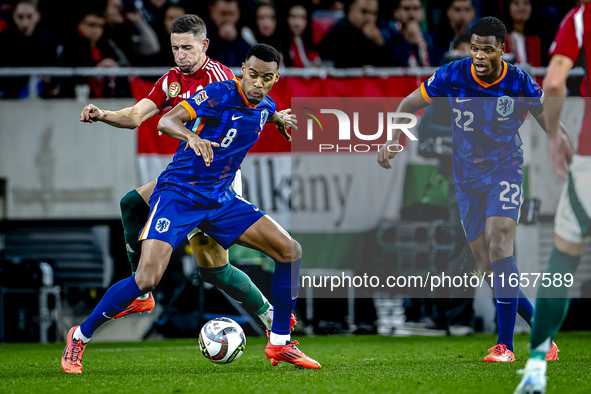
<point>552,304</point>
<point>134,215</point>
<point>237,285</point>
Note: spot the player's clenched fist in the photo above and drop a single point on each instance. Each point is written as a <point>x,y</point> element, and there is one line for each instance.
<point>91,113</point>
<point>387,152</point>
<point>202,148</point>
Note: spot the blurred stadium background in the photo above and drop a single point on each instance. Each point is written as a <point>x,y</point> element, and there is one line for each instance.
<point>61,240</point>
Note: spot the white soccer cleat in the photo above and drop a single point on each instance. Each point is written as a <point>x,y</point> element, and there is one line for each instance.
<point>534,378</point>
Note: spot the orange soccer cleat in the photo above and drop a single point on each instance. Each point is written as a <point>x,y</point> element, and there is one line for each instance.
<point>72,357</point>
<point>290,354</point>
<point>552,354</point>
<point>500,354</point>
<point>138,306</point>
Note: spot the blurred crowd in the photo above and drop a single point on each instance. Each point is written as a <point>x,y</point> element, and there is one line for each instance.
<point>339,33</point>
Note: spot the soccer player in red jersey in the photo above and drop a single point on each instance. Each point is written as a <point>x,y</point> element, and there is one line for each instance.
<point>572,222</point>
<point>194,71</point>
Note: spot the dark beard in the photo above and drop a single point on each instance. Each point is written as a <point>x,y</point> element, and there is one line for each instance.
<point>186,69</point>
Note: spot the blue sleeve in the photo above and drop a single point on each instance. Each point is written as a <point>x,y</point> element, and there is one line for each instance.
<point>272,105</point>
<point>209,102</point>
<point>534,96</point>
<point>436,85</point>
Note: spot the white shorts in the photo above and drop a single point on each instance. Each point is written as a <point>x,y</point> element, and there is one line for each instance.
<point>574,211</point>
<point>236,186</point>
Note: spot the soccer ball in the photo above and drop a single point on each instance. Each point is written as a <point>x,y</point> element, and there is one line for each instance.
<point>222,340</point>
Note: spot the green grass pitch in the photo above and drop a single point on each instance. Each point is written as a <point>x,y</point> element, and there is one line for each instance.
<point>363,364</point>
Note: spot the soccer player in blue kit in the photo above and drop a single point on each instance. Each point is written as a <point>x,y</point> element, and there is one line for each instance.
<point>490,100</point>
<point>217,126</point>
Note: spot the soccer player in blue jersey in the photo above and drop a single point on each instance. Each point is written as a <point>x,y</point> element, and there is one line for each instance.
<point>489,100</point>
<point>217,126</point>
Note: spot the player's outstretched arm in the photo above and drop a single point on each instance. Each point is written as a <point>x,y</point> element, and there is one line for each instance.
<point>127,118</point>
<point>560,146</point>
<point>284,120</point>
<point>173,125</point>
<point>410,104</point>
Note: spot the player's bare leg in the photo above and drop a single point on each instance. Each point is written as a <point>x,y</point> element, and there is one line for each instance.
<point>268,237</point>
<point>155,257</point>
<point>146,191</point>
<point>209,253</point>
<point>482,256</point>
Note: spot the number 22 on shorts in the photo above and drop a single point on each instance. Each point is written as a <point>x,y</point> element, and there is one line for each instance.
<point>514,197</point>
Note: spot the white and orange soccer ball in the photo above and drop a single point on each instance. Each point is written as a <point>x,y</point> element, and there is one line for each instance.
<point>222,340</point>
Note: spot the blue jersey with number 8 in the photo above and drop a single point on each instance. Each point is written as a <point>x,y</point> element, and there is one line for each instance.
<point>485,120</point>
<point>220,113</point>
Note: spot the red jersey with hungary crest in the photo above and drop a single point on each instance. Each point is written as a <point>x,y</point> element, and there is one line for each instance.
<point>174,87</point>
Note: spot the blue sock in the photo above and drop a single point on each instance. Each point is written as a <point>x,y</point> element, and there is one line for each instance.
<point>507,300</point>
<point>284,289</point>
<point>525,308</point>
<point>116,299</point>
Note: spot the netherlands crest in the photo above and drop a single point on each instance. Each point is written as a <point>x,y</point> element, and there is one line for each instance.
<point>162,225</point>
<point>264,117</point>
<point>505,106</point>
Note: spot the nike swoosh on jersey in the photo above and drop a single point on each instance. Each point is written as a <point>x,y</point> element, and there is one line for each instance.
<point>506,207</point>
<point>461,101</point>
<point>234,118</point>
<point>502,302</point>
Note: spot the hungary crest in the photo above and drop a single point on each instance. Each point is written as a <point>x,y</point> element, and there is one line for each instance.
<point>174,89</point>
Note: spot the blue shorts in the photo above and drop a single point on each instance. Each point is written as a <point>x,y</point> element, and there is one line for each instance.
<point>498,199</point>
<point>173,216</point>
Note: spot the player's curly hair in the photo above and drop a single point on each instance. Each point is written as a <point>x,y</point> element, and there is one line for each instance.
<point>189,23</point>
<point>264,52</point>
<point>490,26</point>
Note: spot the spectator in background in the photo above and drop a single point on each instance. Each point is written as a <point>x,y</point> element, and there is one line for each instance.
<point>90,49</point>
<point>165,58</point>
<point>298,49</point>
<point>265,29</point>
<point>172,13</point>
<point>129,33</point>
<point>461,49</point>
<point>23,45</point>
<point>526,47</point>
<point>460,15</point>
<point>356,40</point>
<point>154,12</point>
<point>415,47</point>
<point>226,43</point>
